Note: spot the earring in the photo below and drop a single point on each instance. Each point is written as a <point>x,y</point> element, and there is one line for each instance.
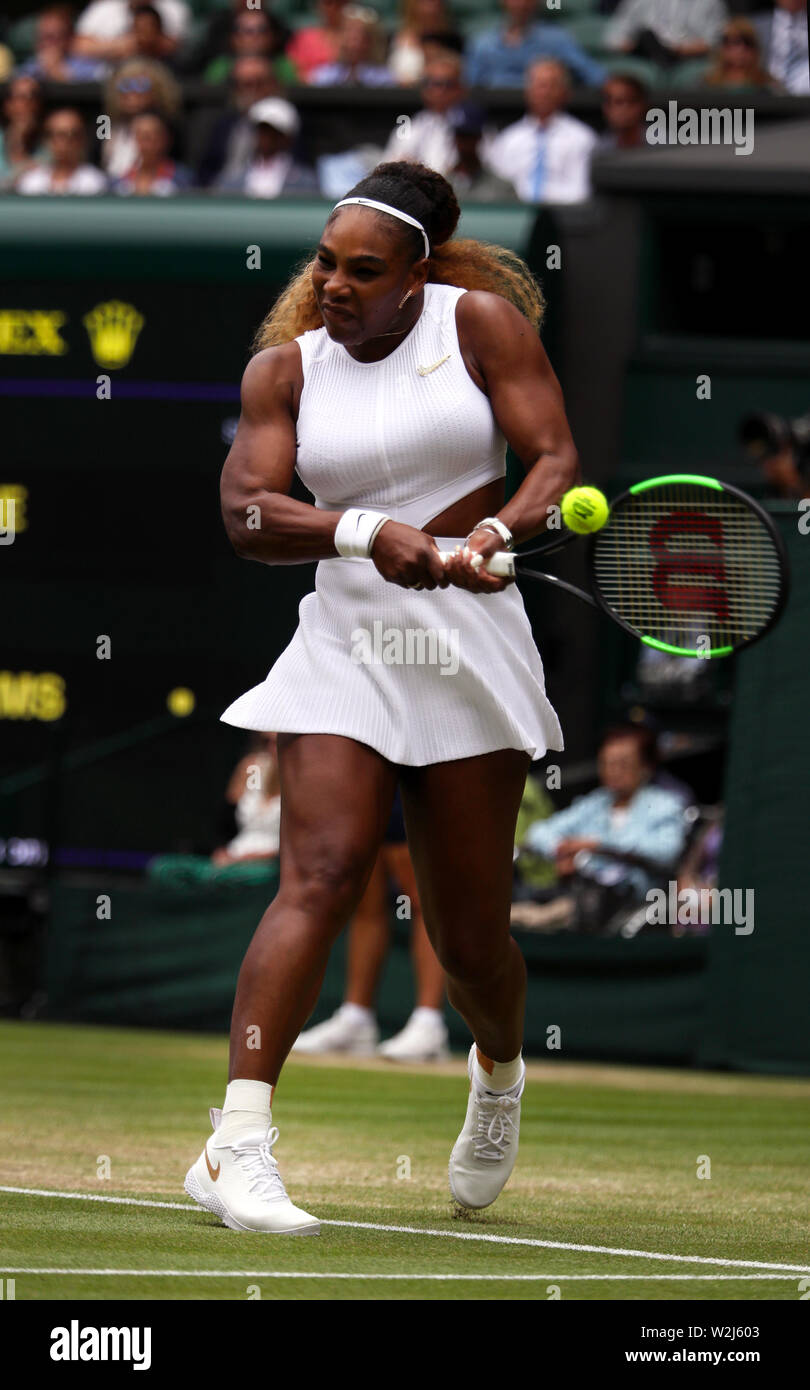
<point>404,298</point>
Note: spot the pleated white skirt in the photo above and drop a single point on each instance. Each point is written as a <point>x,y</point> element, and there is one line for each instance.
<point>421,676</point>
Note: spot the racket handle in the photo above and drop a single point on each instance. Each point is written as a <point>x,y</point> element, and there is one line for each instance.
<point>501,564</point>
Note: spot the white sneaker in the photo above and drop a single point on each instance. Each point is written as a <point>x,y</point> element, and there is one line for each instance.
<point>240,1183</point>
<point>343,1032</point>
<point>484,1153</point>
<point>423,1039</point>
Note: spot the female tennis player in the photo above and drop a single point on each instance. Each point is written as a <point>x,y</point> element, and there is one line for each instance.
<point>390,375</point>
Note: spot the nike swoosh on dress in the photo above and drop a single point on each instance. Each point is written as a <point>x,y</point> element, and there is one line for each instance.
<point>425,371</point>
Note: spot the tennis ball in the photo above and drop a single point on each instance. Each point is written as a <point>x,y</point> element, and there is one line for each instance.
<point>181,701</point>
<point>584,509</point>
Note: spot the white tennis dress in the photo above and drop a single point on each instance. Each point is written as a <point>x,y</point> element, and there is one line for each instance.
<point>422,676</point>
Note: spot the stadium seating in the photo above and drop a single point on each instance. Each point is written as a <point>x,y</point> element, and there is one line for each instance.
<point>20,37</point>
<point>691,74</point>
<point>588,30</point>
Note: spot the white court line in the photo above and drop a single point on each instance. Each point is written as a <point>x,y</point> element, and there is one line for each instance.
<point>304,1274</point>
<point>432,1231</point>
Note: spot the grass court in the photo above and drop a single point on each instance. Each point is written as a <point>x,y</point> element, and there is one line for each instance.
<point>605,1201</point>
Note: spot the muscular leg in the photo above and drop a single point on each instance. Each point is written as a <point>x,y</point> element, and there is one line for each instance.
<point>461,825</point>
<point>368,940</point>
<point>428,973</point>
<point>336,797</point>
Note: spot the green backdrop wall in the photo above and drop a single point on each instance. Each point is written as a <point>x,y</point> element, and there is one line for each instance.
<point>758,985</point>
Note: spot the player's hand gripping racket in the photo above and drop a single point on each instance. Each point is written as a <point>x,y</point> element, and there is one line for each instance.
<point>687,564</point>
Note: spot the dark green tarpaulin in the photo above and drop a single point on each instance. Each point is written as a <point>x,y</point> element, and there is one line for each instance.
<point>170,959</point>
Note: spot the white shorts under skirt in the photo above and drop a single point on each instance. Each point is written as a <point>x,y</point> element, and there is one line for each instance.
<point>422,676</point>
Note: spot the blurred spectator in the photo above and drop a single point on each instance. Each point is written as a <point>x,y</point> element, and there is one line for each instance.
<point>254,791</point>
<point>738,59</point>
<point>642,825</point>
<point>471,181</point>
<point>500,57</point>
<point>422,21</point>
<point>427,137</point>
<point>229,145</point>
<point>666,33</point>
<point>546,155</point>
<point>317,44</point>
<point>138,85</point>
<point>21,144</point>
<point>216,39</point>
<point>360,54</point>
<point>149,35</point>
<point>782,474</point>
<point>624,106</point>
<point>254,34</point>
<point>700,867</point>
<point>780,448</point>
<point>532,873</point>
<point>51,60</point>
<point>154,173</point>
<point>105,29</point>
<point>271,171</point>
<point>67,170</point>
<point>783,35</point>
<point>6,62</point>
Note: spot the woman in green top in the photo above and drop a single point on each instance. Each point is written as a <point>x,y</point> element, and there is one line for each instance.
<point>254,34</point>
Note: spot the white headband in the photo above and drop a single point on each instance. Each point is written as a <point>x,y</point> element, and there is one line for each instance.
<point>393,212</point>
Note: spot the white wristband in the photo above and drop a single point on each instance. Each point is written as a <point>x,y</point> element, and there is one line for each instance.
<point>494,523</point>
<point>356,532</point>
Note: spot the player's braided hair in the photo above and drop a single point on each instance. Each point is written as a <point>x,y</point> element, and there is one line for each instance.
<point>427,196</point>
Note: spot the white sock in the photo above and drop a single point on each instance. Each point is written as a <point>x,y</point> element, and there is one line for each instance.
<point>497,1076</point>
<point>356,1013</point>
<point>424,1014</point>
<point>246,1108</point>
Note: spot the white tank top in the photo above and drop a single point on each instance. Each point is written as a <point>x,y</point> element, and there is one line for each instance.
<point>409,435</point>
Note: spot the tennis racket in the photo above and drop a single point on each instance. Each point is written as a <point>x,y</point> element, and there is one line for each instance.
<point>686,564</point>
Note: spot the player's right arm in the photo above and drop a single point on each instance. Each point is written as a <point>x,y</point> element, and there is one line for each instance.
<point>262,521</point>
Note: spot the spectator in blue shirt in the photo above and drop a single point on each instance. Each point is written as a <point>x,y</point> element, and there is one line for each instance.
<point>52,60</point>
<point>641,824</point>
<point>500,56</point>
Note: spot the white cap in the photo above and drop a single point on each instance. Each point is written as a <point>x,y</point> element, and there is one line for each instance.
<point>274,111</point>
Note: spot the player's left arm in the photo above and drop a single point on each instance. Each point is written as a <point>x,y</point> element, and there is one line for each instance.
<point>505,352</point>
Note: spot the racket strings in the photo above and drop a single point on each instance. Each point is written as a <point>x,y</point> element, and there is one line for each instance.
<point>686,565</point>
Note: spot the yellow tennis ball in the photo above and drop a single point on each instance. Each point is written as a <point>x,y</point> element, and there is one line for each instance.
<point>584,509</point>
<point>181,701</point>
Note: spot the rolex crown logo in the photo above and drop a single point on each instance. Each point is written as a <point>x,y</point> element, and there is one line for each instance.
<point>113,330</point>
